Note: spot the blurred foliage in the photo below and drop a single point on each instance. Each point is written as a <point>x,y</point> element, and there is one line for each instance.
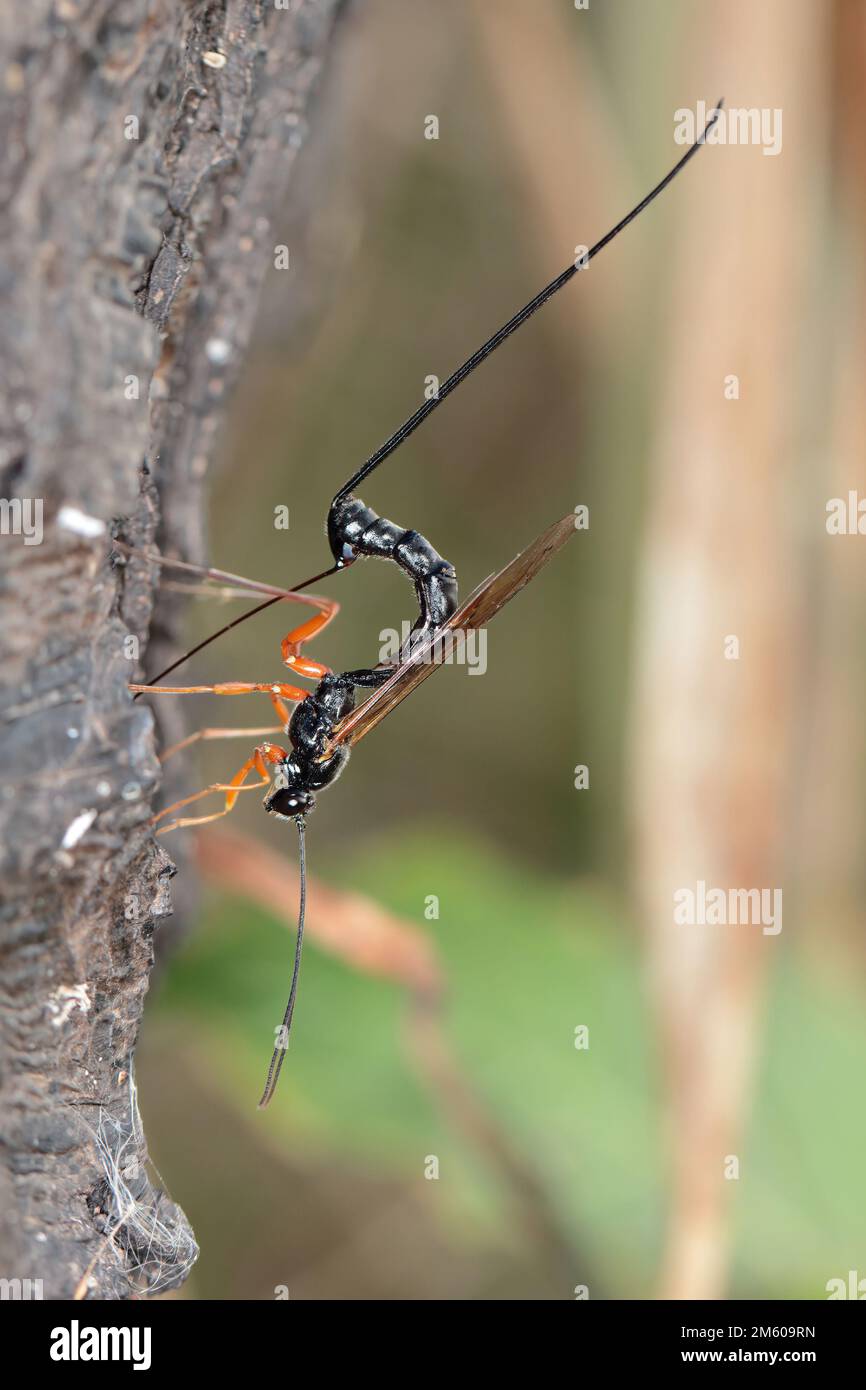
<point>527,961</point>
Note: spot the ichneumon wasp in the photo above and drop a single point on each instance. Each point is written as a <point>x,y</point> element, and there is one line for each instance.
<point>325,723</point>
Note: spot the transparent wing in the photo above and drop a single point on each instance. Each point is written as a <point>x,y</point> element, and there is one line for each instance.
<point>475,613</point>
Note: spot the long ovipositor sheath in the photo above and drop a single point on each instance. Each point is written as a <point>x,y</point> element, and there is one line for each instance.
<point>411,557</point>
<point>409,426</point>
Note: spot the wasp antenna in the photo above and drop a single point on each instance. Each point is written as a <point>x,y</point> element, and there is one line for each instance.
<point>283,1040</point>
<point>409,426</point>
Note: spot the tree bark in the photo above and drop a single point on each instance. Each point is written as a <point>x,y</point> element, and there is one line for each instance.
<point>148,145</point>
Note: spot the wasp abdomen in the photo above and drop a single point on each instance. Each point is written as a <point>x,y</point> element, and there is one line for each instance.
<point>354,529</point>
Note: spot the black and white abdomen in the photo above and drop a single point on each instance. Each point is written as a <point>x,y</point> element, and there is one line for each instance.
<point>354,529</point>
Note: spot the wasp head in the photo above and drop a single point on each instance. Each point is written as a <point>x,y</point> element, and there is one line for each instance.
<point>288,797</point>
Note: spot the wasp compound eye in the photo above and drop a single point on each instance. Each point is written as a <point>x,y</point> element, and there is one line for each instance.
<point>288,802</point>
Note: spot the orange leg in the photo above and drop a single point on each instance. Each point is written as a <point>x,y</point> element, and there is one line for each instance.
<point>203,734</point>
<point>283,712</point>
<point>288,692</point>
<point>272,688</point>
<point>305,632</point>
<point>292,642</point>
<point>263,755</point>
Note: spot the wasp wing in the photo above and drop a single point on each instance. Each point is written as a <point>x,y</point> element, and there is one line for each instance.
<point>475,613</point>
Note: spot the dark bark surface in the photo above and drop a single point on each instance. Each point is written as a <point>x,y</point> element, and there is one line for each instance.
<point>125,261</point>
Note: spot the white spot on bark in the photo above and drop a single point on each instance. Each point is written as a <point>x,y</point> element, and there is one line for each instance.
<point>65,999</point>
<point>74,519</point>
<point>77,829</point>
<point>218,350</point>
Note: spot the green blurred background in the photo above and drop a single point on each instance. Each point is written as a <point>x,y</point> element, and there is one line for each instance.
<point>557,1167</point>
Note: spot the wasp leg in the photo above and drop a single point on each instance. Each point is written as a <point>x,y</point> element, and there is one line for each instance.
<point>235,581</point>
<point>305,632</point>
<point>328,607</point>
<point>272,688</point>
<point>203,734</point>
<point>261,756</point>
